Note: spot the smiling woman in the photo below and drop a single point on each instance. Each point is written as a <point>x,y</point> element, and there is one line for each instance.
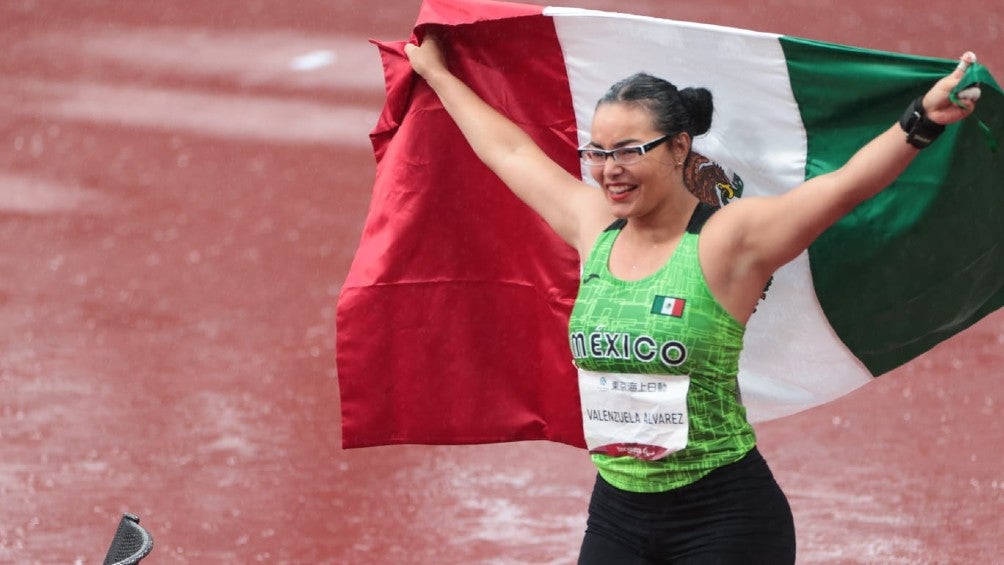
<point>651,105</point>
<point>667,244</point>
<point>166,311</point>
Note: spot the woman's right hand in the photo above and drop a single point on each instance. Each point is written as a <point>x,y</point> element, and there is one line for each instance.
<point>426,59</point>
<point>557,196</point>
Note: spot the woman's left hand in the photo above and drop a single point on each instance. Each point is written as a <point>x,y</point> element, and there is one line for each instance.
<point>939,107</point>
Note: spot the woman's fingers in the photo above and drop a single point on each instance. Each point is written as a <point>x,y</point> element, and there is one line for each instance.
<point>967,59</point>
<point>939,103</point>
<point>972,93</point>
<point>425,57</point>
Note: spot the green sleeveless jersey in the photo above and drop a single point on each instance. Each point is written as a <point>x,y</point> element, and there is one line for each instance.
<point>665,324</point>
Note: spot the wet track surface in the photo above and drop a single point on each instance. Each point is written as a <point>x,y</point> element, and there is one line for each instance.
<point>182,187</point>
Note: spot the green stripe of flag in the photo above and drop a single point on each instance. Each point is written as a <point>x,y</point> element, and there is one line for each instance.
<point>924,259</point>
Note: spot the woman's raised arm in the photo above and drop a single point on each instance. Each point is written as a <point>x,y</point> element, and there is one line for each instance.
<point>778,229</point>
<point>560,198</point>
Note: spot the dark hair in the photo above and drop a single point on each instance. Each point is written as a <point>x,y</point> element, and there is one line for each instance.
<point>673,110</point>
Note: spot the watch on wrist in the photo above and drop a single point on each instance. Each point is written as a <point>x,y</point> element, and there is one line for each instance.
<point>920,131</point>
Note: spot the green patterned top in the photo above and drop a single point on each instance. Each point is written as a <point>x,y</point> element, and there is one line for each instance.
<point>667,323</point>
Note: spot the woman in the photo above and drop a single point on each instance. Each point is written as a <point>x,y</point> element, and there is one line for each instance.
<point>666,292</point>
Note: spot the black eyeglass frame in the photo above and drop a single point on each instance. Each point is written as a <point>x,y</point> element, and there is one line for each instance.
<point>632,150</point>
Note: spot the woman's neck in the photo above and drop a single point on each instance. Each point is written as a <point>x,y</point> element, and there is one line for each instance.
<point>663,224</point>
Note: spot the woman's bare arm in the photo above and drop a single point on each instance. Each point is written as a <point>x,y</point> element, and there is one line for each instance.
<point>560,198</point>
<point>748,240</point>
<point>778,229</point>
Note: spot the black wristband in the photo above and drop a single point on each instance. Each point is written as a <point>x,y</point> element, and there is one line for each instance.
<point>920,131</point>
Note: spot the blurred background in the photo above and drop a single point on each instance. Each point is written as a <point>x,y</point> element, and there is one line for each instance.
<point>182,188</point>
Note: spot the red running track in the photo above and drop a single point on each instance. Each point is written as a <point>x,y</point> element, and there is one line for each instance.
<point>182,186</point>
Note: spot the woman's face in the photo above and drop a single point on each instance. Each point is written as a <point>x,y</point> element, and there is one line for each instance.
<point>639,188</point>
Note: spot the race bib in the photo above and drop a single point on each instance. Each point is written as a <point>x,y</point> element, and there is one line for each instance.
<point>640,416</point>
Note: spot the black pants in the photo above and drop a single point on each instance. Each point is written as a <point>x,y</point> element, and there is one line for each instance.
<point>735,515</point>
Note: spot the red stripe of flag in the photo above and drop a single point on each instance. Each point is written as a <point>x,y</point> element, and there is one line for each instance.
<point>452,323</point>
<point>677,307</point>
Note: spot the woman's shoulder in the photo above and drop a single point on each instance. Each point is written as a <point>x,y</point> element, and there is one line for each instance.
<point>737,214</point>
<point>725,236</point>
<point>595,220</point>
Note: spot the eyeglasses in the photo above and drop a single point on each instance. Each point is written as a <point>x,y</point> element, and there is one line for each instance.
<point>622,155</point>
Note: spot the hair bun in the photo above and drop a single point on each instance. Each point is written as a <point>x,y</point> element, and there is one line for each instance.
<point>672,110</point>
<point>699,106</point>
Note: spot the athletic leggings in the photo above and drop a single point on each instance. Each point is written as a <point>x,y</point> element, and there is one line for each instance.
<point>737,514</point>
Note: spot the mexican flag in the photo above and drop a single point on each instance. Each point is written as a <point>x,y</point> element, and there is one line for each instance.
<point>451,325</point>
